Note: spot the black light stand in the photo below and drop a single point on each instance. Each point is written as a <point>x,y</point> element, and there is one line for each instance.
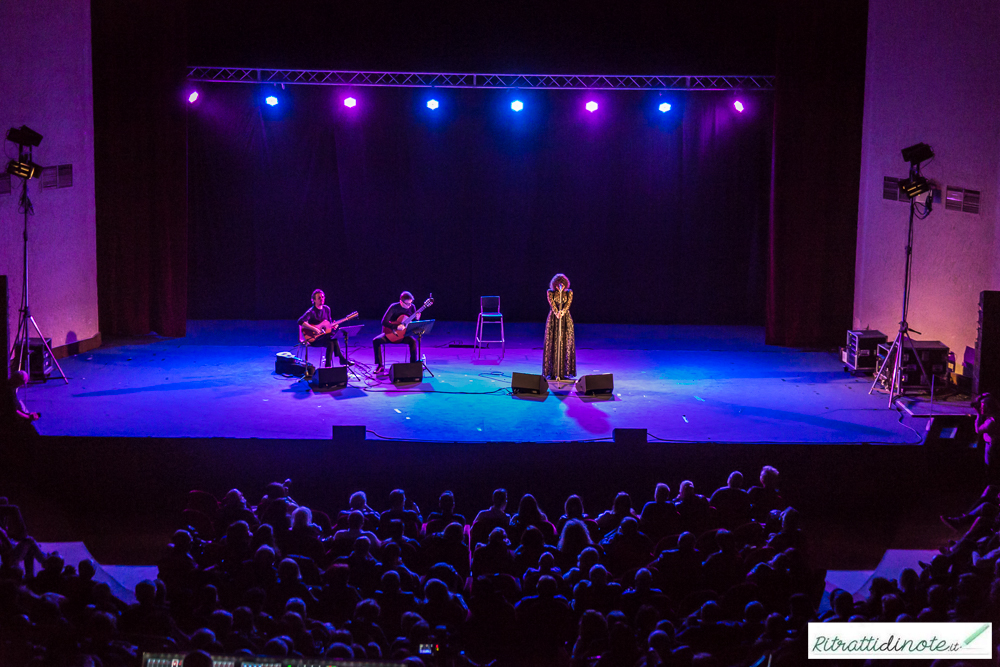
<point>913,186</point>
<point>24,169</point>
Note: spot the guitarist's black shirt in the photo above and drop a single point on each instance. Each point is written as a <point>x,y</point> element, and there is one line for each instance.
<point>314,316</point>
<point>395,310</point>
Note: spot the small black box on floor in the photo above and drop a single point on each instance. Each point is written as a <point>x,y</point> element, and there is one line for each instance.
<point>331,378</point>
<point>592,385</point>
<point>39,360</point>
<point>526,383</point>
<point>349,435</point>
<point>630,436</point>
<point>861,349</point>
<point>406,372</point>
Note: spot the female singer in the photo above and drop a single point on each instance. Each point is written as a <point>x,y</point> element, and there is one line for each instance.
<point>559,355</point>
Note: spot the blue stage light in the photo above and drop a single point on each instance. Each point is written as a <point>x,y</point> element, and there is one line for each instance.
<point>664,107</point>
<point>432,104</point>
<point>517,105</point>
<point>271,100</point>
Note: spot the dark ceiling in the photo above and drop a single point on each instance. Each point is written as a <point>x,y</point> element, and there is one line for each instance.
<point>707,37</point>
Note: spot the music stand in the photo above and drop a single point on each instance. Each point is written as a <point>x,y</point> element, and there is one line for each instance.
<point>418,328</point>
<point>348,332</point>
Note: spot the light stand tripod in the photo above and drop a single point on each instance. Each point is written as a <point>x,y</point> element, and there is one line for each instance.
<point>21,348</point>
<point>895,354</point>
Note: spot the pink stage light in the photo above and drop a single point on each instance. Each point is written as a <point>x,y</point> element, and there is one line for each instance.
<point>350,103</point>
<point>738,106</point>
<point>591,106</point>
<point>193,97</point>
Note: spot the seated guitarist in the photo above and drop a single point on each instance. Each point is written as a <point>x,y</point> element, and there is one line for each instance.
<point>310,322</point>
<point>395,312</point>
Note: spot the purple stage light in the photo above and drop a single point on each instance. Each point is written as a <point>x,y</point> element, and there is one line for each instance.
<point>664,107</point>
<point>271,100</point>
<point>350,103</point>
<point>193,97</point>
<point>738,106</point>
<point>432,104</point>
<point>516,105</point>
<point>591,106</point>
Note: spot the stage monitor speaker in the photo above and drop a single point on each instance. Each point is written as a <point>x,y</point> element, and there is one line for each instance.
<point>526,383</point>
<point>331,378</point>
<point>630,436</point>
<point>406,373</point>
<point>986,372</point>
<point>592,385</point>
<point>349,435</point>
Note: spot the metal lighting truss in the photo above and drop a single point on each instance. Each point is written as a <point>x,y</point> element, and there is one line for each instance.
<point>443,80</point>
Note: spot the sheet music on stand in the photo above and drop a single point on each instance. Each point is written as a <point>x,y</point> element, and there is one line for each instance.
<point>351,330</point>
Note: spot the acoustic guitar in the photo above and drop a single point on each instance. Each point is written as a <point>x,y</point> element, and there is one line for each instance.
<point>394,336</point>
<point>324,327</point>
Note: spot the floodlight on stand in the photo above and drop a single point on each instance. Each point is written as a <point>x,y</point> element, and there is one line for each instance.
<point>26,169</point>
<point>917,153</point>
<point>24,136</point>
<point>914,185</point>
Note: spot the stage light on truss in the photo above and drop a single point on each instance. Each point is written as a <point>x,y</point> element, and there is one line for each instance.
<point>517,105</point>
<point>664,107</point>
<point>193,97</point>
<point>271,100</point>
<point>350,103</point>
<point>591,106</point>
<point>24,136</point>
<point>738,106</point>
<point>432,104</point>
<point>25,169</point>
<point>917,153</point>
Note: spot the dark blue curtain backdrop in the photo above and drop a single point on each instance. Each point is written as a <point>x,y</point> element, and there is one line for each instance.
<point>656,218</point>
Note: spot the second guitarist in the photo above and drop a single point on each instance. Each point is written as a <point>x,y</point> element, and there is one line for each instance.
<point>391,322</point>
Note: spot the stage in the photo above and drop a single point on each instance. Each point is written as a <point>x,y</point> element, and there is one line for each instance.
<point>681,383</point>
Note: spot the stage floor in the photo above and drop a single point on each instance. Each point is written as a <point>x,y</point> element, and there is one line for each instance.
<point>681,383</point>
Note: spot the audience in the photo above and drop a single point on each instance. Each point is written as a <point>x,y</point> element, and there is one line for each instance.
<point>687,581</point>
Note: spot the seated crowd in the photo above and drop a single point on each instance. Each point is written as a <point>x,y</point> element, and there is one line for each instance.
<point>684,579</point>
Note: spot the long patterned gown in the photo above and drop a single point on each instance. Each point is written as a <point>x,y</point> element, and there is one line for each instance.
<point>559,355</point>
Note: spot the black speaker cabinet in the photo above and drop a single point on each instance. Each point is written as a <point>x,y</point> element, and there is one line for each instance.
<point>406,372</point>
<point>331,378</point>
<point>526,383</point>
<point>986,372</point>
<point>592,385</point>
<point>40,362</point>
